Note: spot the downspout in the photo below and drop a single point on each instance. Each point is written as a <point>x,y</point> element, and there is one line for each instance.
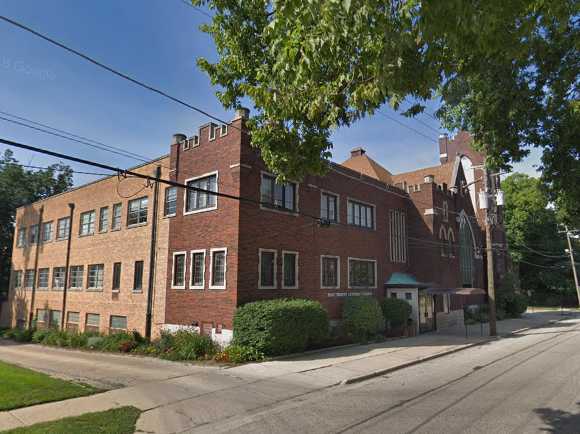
<point>152,256</point>
<point>36,254</point>
<point>67,265</point>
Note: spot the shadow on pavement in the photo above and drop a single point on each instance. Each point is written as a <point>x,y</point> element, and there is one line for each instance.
<point>559,421</point>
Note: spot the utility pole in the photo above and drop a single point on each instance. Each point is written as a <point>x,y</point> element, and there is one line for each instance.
<point>571,252</point>
<point>489,256</point>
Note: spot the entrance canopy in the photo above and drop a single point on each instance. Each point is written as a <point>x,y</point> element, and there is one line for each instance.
<point>404,280</point>
<point>458,291</point>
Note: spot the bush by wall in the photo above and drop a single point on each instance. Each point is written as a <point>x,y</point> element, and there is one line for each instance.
<point>280,326</point>
<point>396,312</point>
<point>362,318</point>
<point>513,304</point>
<point>187,345</point>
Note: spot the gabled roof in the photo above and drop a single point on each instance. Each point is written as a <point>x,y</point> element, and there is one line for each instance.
<point>443,173</point>
<point>367,166</point>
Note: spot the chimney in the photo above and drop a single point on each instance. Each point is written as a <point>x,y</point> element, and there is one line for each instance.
<point>242,113</point>
<point>178,138</point>
<point>443,151</point>
<point>357,152</point>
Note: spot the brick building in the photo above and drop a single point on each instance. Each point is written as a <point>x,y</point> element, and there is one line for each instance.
<point>358,230</point>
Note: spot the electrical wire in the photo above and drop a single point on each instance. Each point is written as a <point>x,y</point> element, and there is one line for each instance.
<point>407,126</point>
<point>82,139</point>
<point>113,70</point>
<point>57,169</point>
<point>537,252</point>
<point>201,11</point>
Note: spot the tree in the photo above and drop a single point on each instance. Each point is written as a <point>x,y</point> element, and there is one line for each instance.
<point>19,187</point>
<point>506,71</point>
<point>536,247</point>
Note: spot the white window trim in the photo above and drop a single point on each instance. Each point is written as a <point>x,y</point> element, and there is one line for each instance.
<point>362,202</point>
<point>70,277</point>
<point>217,178</point>
<point>337,204</point>
<point>184,253</point>
<point>296,269</point>
<point>212,132</point>
<point>337,270</point>
<point>283,211</point>
<point>211,252</point>
<point>191,285</point>
<point>95,288</point>
<point>260,286</point>
<point>165,202</point>
<point>223,127</point>
<point>365,260</point>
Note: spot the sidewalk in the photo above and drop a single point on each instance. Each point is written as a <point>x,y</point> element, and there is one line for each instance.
<point>184,401</point>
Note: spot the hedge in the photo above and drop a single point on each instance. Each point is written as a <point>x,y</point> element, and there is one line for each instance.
<point>363,318</point>
<point>396,311</point>
<point>280,326</point>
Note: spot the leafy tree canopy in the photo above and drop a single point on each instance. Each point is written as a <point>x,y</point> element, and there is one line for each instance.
<point>506,71</point>
<point>536,247</point>
<point>19,186</point>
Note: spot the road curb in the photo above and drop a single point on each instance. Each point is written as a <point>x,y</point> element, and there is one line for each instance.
<point>382,372</point>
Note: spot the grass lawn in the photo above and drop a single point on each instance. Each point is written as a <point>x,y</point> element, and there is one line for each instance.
<point>120,420</point>
<point>21,387</point>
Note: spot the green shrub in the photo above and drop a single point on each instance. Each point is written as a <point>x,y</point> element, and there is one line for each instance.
<point>39,335</point>
<point>239,354</point>
<point>280,326</point>
<point>513,304</point>
<point>362,318</point>
<point>188,345</point>
<point>56,338</point>
<point>117,342</point>
<point>19,335</point>
<point>396,311</point>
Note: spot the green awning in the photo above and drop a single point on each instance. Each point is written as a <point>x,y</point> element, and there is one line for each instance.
<point>404,280</point>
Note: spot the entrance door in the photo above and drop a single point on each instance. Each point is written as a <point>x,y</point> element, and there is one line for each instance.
<point>426,313</point>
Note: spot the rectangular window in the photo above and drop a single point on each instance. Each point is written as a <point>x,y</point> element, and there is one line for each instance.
<point>212,131</point>
<point>137,211</point>
<point>93,322</point>
<point>408,296</point>
<point>18,279</point>
<point>96,275</point>
<point>330,271</point>
<point>279,196</point>
<point>362,273</point>
<point>197,269</point>
<point>118,324</point>
<point>104,219</point>
<point>329,207</point>
<point>138,276</point>
<point>55,318</point>
<point>398,236</point>
<point>116,222</point>
<point>289,270</point>
<point>33,234</point>
<point>218,269</point>
<point>196,201</point>
<point>43,277</point>
<point>46,232</point>
<point>76,277</point>
<point>21,238</point>
<point>42,316</point>
<point>116,276</point>
<point>29,278</point>
<point>58,277</point>
<point>170,201</point>
<point>88,220</point>
<point>63,228</point>
<point>361,215</point>
<point>178,279</point>
<point>73,321</point>
<point>267,260</point>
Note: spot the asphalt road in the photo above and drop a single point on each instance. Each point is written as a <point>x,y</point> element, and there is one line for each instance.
<point>528,383</point>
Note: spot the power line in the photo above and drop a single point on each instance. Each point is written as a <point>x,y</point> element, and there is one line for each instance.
<point>122,154</point>
<point>406,126</point>
<point>537,252</point>
<point>114,71</point>
<point>81,139</point>
<point>57,169</point>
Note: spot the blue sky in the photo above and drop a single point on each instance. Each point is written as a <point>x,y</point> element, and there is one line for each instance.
<point>156,41</point>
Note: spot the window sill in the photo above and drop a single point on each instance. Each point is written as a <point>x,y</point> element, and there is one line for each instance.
<point>169,216</point>
<point>94,289</point>
<point>136,291</point>
<point>217,288</point>
<point>115,229</point>
<point>267,287</point>
<point>136,225</point>
<point>290,287</point>
<point>179,288</point>
<point>283,211</point>
<point>364,228</point>
<point>197,288</point>
<point>198,211</point>
<point>86,235</point>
